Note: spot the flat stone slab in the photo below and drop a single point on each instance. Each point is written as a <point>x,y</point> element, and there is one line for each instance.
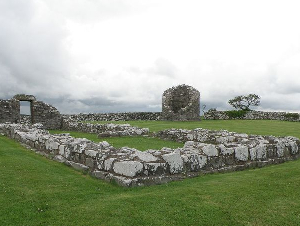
<point>128,168</point>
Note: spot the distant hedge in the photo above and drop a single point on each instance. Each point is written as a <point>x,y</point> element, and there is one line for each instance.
<point>236,113</point>
<point>293,116</point>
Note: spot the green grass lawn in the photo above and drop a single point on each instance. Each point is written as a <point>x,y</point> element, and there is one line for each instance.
<point>37,191</point>
<point>260,127</point>
<point>139,142</point>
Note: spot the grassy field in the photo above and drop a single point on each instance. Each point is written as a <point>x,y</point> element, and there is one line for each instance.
<point>260,127</point>
<point>138,142</point>
<point>37,191</point>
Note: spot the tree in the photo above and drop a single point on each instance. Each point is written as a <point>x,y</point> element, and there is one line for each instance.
<point>244,102</point>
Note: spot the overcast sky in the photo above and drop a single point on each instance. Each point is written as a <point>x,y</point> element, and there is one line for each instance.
<point>120,55</point>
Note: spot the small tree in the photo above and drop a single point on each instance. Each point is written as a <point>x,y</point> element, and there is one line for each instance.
<point>244,102</point>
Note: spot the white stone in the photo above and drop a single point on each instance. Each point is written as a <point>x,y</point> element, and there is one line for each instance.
<point>241,153</point>
<point>139,132</point>
<point>61,149</point>
<point>108,163</point>
<point>144,156</point>
<point>253,153</point>
<point>190,136</point>
<point>258,153</point>
<point>294,147</point>
<point>175,162</point>
<point>188,144</point>
<point>104,144</point>
<point>261,152</point>
<point>82,146</point>
<point>59,158</point>
<point>51,145</point>
<point>231,138</point>
<point>202,160</point>
<point>221,139</point>
<point>210,150</point>
<point>67,152</point>
<point>31,136</point>
<point>225,150</point>
<point>152,167</point>
<point>280,149</point>
<point>91,153</point>
<point>190,150</point>
<point>78,166</point>
<point>243,135</point>
<point>128,168</point>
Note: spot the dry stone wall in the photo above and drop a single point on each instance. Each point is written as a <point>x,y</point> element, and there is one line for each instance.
<point>126,116</point>
<point>204,152</point>
<point>8,111</point>
<point>253,115</point>
<point>46,114</point>
<point>104,130</point>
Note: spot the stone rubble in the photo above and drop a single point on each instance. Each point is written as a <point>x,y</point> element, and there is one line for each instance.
<point>204,151</point>
<point>104,130</point>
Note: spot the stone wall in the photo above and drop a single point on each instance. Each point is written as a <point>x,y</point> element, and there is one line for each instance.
<point>104,130</point>
<point>9,111</point>
<point>204,152</point>
<point>207,136</point>
<point>125,116</point>
<point>181,103</point>
<point>46,114</point>
<point>41,112</point>
<point>253,115</point>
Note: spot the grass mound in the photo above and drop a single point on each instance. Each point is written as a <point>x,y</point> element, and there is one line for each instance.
<point>36,191</point>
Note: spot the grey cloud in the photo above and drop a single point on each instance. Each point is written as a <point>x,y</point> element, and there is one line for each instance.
<point>292,88</point>
<point>32,56</point>
<point>34,59</point>
<point>86,11</point>
<point>163,67</point>
<point>98,106</point>
<point>160,67</point>
<point>281,102</point>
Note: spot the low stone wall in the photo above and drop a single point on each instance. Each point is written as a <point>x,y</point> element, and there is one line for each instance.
<point>130,167</point>
<point>104,130</point>
<point>127,116</point>
<point>254,115</point>
<point>213,136</point>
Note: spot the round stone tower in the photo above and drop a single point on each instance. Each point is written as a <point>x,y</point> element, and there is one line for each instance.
<point>181,103</point>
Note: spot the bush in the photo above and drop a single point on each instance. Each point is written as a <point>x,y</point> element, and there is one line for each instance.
<point>291,116</point>
<point>236,113</point>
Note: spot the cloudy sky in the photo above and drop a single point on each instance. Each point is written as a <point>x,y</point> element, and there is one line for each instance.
<point>120,55</point>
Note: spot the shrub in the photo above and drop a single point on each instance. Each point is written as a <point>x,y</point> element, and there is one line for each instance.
<point>291,116</point>
<point>236,113</point>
